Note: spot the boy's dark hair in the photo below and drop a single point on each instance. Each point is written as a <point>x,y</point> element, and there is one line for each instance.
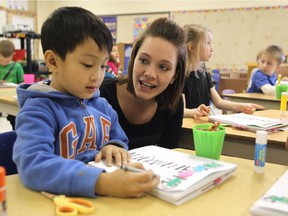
<point>7,48</point>
<point>68,27</point>
<point>168,30</point>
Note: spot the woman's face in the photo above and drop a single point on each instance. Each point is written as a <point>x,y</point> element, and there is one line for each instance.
<point>154,67</point>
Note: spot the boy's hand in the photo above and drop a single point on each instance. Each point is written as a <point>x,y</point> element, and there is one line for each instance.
<point>110,152</point>
<point>122,183</point>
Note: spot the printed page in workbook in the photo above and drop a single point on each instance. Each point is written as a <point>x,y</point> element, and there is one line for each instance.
<point>250,122</point>
<point>275,200</point>
<point>182,176</point>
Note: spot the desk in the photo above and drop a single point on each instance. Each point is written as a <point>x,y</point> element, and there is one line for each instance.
<point>8,103</point>
<point>234,197</point>
<point>241,143</point>
<point>268,101</point>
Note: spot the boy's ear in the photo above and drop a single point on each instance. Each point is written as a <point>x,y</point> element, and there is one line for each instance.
<point>51,60</point>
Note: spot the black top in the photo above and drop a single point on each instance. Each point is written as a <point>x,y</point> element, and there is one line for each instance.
<point>163,129</point>
<point>197,89</point>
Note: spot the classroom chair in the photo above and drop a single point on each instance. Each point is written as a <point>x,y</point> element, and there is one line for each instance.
<point>227,91</point>
<point>7,140</point>
<point>29,78</point>
<point>19,55</point>
<point>216,78</point>
<point>250,78</point>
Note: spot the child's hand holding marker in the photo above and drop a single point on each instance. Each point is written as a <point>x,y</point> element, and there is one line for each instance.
<point>201,111</point>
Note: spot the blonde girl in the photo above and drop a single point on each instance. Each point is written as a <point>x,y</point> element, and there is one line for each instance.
<point>199,92</point>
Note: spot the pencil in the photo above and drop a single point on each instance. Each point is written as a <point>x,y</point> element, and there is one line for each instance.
<point>131,169</point>
<point>134,169</point>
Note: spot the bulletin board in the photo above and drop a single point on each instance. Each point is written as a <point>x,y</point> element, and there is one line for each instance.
<point>239,33</point>
<point>111,23</point>
<point>130,26</point>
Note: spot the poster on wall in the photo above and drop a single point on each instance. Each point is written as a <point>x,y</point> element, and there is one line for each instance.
<point>13,4</point>
<point>111,23</point>
<point>140,23</point>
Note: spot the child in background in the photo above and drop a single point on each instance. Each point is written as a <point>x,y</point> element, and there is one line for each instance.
<point>264,79</point>
<point>199,91</point>
<point>259,54</point>
<point>148,99</point>
<point>10,71</point>
<point>63,124</point>
<point>113,64</point>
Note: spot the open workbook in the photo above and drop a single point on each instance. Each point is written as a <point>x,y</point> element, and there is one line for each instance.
<point>182,176</point>
<point>275,201</point>
<point>250,122</point>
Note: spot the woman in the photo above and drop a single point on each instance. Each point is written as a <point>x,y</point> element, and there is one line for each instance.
<point>148,100</point>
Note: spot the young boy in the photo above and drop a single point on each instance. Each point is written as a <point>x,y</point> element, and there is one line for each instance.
<point>63,124</point>
<point>10,71</point>
<point>264,79</point>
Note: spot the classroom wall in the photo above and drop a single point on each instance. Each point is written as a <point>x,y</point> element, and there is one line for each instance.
<point>238,33</point>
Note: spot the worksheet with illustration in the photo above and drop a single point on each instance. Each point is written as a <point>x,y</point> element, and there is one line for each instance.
<point>182,176</point>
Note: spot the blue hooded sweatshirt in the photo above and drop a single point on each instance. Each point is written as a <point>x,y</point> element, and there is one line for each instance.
<point>57,134</point>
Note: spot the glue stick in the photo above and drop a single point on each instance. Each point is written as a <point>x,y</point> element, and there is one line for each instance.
<point>260,151</point>
<point>283,104</point>
<point>3,207</point>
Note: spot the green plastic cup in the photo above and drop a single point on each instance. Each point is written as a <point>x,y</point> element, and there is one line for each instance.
<point>208,144</point>
<point>279,89</point>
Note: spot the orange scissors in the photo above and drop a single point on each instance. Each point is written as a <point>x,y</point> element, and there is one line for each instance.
<point>70,206</point>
